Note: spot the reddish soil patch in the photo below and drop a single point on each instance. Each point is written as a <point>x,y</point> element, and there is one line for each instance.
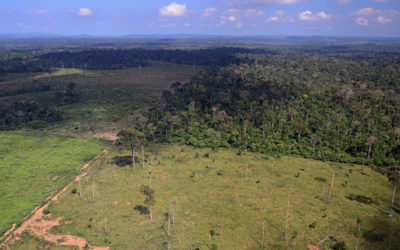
<point>40,227</point>
<point>107,136</point>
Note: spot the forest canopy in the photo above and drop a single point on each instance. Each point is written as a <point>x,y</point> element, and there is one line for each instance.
<point>333,106</point>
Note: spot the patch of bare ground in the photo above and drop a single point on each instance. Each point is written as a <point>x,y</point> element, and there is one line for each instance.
<point>40,227</point>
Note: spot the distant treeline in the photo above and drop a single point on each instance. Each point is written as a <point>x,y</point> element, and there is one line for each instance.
<point>97,59</point>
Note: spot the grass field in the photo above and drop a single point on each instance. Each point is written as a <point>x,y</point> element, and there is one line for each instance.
<point>32,167</point>
<point>228,195</point>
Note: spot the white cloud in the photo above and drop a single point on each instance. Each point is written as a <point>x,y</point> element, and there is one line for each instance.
<point>239,25</point>
<point>323,15</point>
<point>306,15</point>
<point>38,12</point>
<point>222,22</point>
<point>370,12</point>
<point>232,18</point>
<point>272,19</point>
<point>85,12</point>
<point>366,15</point>
<point>362,21</point>
<point>279,15</point>
<point>253,12</point>
<point>383,20</point>
<point>365,11</point>
<point>208,12</point>
<point>173,10</point>
<point>309,16</point>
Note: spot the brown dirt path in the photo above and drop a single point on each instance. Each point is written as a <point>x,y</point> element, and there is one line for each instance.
<point>38,226</point>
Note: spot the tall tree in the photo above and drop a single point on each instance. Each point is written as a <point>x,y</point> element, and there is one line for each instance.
<point>131,138</point>
<point>394,177</point>
<point>371,141</point>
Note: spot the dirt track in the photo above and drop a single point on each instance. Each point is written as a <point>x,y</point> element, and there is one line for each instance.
<point>39,224</point>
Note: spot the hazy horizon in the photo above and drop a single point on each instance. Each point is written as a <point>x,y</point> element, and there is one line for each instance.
<point>328,18</point>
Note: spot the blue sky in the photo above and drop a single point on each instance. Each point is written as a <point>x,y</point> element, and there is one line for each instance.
<point>234,17</point>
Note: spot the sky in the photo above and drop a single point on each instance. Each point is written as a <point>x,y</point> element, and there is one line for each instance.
<point>202,17</point>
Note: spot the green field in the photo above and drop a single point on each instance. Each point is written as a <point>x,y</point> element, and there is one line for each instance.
<point>229,195</point>
<point>33,167</point>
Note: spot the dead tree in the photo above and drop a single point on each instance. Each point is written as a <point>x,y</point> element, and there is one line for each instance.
<point>142,156</point>
<point>287,220</point>
<point>331,187</point>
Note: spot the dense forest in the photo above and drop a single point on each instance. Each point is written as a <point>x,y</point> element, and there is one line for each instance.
<point>325,105</point>
<point>96,59</point>
<point>338,103</point>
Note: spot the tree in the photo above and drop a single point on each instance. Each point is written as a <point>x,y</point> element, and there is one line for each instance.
<point>371,141</point>
<point>131,138</point>
<point>394,177</point>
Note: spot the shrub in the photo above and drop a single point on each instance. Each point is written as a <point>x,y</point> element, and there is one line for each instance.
<point>122,161</point>
<point>360,198</point>
<point>220,172</point>
<point>73,191</point>
<point>142,209</point>
<point>313,225</point>
<point>320,179</point>
<point>340,245</point>
<point>46,211</point>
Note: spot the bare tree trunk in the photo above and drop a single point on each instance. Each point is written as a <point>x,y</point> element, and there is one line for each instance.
<point>393,196</point>
<point>169,224</point>
<point>331,187</point>
<point>246,172</point>
<point>133,157</point>
<point>173,210</point>
<point>142,156</point>
<point>369,150</point>
<point>263,235</point>
<point>80,190</point>
<point>93,188</point>
<point>287,221</point>
<point>105,224</point>
<point>151,215</point>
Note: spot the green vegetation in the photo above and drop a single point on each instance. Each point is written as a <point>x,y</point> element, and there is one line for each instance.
<point>224,211</point>
<point>324,104</point>
<point>104,101</point>
<point>33,167</point>
<point>256,119</point>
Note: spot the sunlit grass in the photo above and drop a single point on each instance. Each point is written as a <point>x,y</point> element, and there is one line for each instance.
<point>215,193</point>
<point>32,167</point>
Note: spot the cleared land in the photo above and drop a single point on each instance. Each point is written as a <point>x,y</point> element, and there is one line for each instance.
<point>222,199</point>
<point>32,167</point>
<point>107,98</point>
